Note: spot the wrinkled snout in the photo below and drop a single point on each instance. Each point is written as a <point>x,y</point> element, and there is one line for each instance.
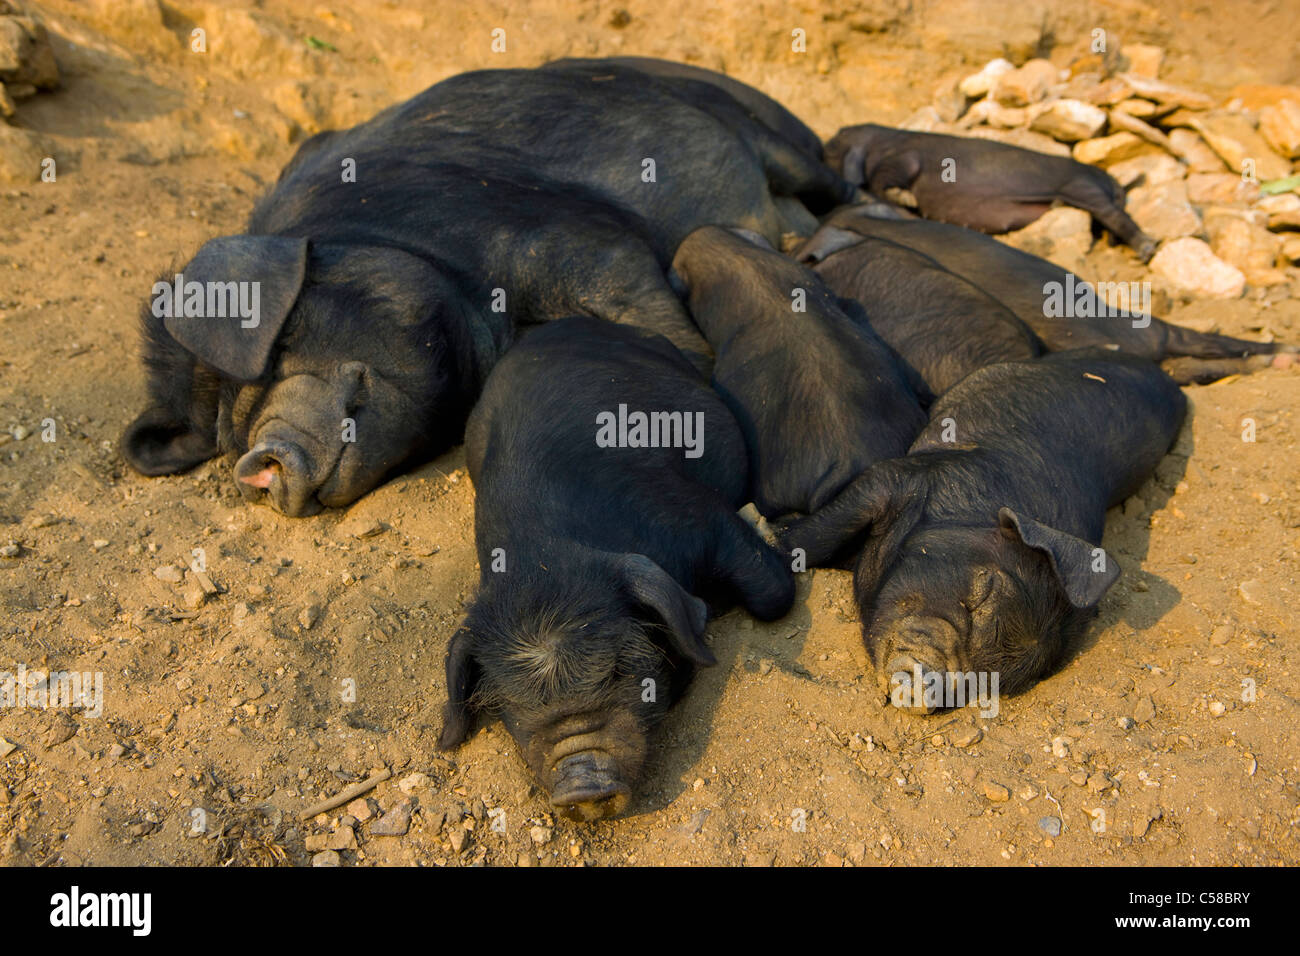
<point>279,472</point>
<point>589,763</point>
<point>922,664</point>
<point>588,787</point>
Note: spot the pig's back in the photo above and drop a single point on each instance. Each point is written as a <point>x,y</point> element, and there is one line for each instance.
<point>1062,437</point>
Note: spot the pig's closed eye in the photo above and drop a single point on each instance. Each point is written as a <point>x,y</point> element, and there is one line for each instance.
<point>354,380</point>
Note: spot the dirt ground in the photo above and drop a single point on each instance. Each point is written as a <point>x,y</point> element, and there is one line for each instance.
<point>237,705</point>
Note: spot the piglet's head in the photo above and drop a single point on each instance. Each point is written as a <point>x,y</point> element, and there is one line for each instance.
<point>946,606</point>
<point>966,607</point>
<point>580,659</point>
<point>320,373</point>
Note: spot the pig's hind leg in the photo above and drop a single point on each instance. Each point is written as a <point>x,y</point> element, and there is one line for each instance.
<point>1210,345</point>
<point>758,576</point>
<point>1108,211</point>
<point>1186,370</point>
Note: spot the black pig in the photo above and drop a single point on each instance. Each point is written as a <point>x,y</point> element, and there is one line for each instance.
<point>395,260</point>
<point>594,545</point>
<point>818,395</point>
<point>977,183</point>
<point>943,326</point>
<point>1035,289</point>
<point>980,547</point>
<point>761,106</point>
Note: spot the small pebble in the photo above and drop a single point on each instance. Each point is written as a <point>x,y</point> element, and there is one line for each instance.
<point>540,835</point>
<point>1217,709</point>
<point>996,792</point>
<point>1250,590</point>
<point>168,573</point>
<point>309,615</point>
<point>413,782</point>
<point>1050,825</point>
<point>360,810</point>
<point>327,858</point>
<point>396,821</point>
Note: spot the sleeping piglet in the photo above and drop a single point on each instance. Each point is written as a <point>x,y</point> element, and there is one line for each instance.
<point>980,549</point>
<point>607,476</point>
<point>817,393</point>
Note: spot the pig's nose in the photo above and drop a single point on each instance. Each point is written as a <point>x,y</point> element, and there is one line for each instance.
<point>278,472</point>
<point>588,788</point>
<point>903,689</point>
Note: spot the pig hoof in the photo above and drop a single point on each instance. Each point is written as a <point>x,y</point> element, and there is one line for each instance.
<point>1145,248</point>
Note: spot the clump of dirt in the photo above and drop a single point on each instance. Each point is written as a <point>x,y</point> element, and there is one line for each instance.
<point>253,665</point>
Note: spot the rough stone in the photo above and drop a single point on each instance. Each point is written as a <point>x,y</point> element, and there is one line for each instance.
<point>1236,141</point>
<point>26,57</point>
<point>1062,235</point>
<point>1024,138</point>
<point>1219,188</point>
<point>1190,265</point>
<point>1195,151</point>
<point>1280,127</point>
<point>1160,92</point>
<point>1027,85</point>
<point>1069,120</point>
<point>1149,170</point>
<point>21,154</point>
<point>1163,211</point>
<point>1127,123</point>
<point>1256,96</point>
<point>1110,149</point>
<point>1249,247</point>
<point>978,84</point>
<point>1143,60</point>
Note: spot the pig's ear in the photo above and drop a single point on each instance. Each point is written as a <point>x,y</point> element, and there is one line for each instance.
<point>236,345</point>
<point>159,443</point>
<point>685,614</point>
<point>1085,571</point>
<point>824,242</point>
<point>462,675</point>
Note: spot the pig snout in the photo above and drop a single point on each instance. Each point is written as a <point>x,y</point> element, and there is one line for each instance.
<point>589,763</point>
<point>588,786</point>
<point>280,471</point>
<point>297,451</point>
<point>922,662</point>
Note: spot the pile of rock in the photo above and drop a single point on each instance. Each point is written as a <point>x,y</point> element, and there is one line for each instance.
<point>26,66</point>
<point>26,59</point>
<point>1215,184</point>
